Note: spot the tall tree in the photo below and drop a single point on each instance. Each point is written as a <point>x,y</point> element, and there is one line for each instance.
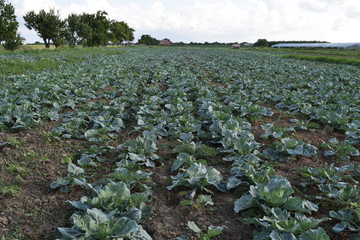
<point>73,22</point>
<point>261,43</point>
<point>120,32</point>
<point>8,27</point>
<point>94,29</point>
<point>148,40</point>
<point>48,25</point>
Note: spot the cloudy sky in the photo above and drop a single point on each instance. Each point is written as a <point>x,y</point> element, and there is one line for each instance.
<point>215,20</point>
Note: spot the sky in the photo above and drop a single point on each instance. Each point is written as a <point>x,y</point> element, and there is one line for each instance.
<point>215,20</point>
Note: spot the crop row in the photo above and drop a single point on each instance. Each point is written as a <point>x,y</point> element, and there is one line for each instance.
<point>207,102</point>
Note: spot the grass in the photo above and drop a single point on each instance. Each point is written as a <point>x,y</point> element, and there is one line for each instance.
<point>35,59</point>
<point>326,59</point>
<point>17,67</point>
<point>7,190</point>
<point>348,53</point>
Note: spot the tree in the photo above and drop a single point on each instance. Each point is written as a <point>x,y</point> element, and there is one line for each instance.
<point>261,43</point>
<point>148,40</point>
<point>48,25</point>
<point>120,32</point>
<point>73,22</point>
<point>94,29</point>
<point>13,42</point>
<point>8,27</point>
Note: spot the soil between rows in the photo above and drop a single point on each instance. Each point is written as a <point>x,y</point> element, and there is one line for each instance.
<point>36,211</point>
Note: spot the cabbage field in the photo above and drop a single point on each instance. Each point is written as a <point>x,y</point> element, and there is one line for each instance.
<point>178,143</point>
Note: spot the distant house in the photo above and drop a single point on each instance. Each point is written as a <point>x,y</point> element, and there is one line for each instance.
<point>165,42</point>
<point>235,46</point>
<point>23,40</point>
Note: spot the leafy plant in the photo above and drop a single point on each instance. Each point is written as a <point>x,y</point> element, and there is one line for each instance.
<point>311,234</point>
<point>274,131</point>
<point>275,192</point>
<point>199,202</point>
<point>353,132</point>
<point>242,143</point>
<point>195,149</point>
<point>304,124</point>
<point>342,192</point>
<point>283,221</point>
<point>328,174</point>
<point>138,180</point>
<point>114,196</point>
<point>141,151</point>
<point>198,177</point>
<point>287,147</point>
<point>75,177</point>
<point>350,221</point>
<point>211,231</point>
<point>181,160</point>
<point>248,170</point>
<point>343,150</point>
<point>96,224</point>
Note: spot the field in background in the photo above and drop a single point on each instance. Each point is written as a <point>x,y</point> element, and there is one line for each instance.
<point>172,141</point>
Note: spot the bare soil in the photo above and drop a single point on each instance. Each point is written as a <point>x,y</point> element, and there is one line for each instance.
<point>35,211</point>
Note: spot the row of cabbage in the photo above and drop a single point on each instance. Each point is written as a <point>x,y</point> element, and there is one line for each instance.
<point>208,100</point>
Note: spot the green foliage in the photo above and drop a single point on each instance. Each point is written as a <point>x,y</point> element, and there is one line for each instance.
<point>325,59</point>
<point>48,25</point>
<point>96,224</point>
<point>164,95</point>
<point>94,28</point>
<point>328,174</point>
<point>114,196</point>
<point>8,190</point>
<point>350,220</point>
<point>273,131</point>
<point>138,180</point>
<point>261,43</point>
<point>200,202</point>
<point>353,132</point>
<point>275,193</point>
<point>340,149</point>
<point>73,22</point>
<point>288,147</point>
<point>269,204</point>
<point>148,40</point>
<point>141,150</point>
<point>211,231</point>
<point>198,177</point>
<point>304,125</point>
<point>120,32</point>
<point>283,221</point>
<point>75,177</point>
<point>9,26</point>
<point>195,149</point>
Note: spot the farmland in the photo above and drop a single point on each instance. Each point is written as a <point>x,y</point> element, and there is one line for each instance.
<point>178,143</point>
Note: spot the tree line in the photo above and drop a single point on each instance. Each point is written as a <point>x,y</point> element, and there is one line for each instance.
<point>262,42</point>
<point>91,30</point>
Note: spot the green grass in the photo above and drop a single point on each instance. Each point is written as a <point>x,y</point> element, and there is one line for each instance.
<point>17,67</point>
<point>40,59</point>
<point>332,52</point>
<point>325,59</point>
<point>8,190</point>
<point>349,53</point>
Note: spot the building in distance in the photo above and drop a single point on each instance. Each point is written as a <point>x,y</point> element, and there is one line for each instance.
<point>165,42</point>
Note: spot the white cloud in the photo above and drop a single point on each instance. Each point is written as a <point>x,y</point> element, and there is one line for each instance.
<point>353,10</point>
<point>313,5</point>
<point>228,20</point>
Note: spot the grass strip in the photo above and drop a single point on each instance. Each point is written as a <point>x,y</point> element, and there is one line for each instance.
<point>338,60</point>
